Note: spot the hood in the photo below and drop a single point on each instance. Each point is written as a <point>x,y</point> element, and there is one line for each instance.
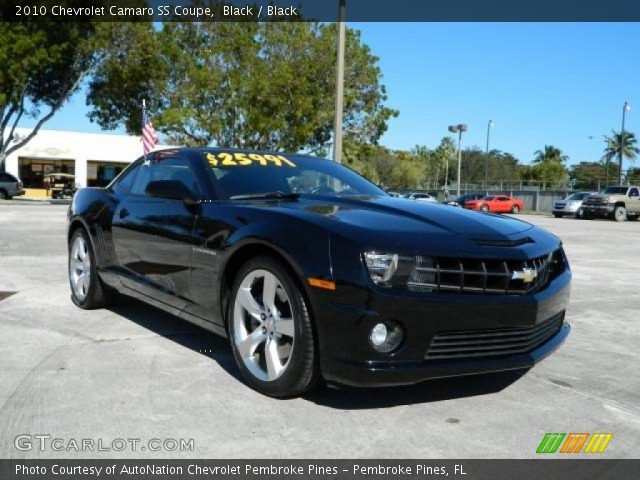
<point>398,215</point>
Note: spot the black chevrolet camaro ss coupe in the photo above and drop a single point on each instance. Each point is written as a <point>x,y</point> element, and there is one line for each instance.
<point>314,273</point>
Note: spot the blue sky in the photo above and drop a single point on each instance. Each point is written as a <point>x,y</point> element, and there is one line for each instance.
<point>540,84</point>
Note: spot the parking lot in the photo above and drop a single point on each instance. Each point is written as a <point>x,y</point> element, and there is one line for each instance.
<point>136,372</point>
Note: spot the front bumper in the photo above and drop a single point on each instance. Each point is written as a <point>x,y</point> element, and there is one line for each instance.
<point>599,210</point>
<point>348,359</point>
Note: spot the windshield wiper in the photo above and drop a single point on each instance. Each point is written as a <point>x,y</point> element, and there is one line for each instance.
<point>277,195</point>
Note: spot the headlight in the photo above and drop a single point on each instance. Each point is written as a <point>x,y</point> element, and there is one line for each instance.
<point>381,266</point>
<point>392,269</point>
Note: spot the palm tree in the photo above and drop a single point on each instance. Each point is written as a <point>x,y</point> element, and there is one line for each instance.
<point>621,144</point>
<point>609,152</point>
<point>550,154</point>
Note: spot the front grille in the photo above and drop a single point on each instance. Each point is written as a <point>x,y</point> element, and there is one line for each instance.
<point>483,276</point>
<point>495,342</point>
<point>595,201</point>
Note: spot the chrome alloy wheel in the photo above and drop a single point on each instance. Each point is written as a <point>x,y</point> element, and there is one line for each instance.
<point>80,268</point>
<point>263,325</point>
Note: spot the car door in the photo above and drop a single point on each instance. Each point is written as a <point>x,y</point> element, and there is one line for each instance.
<point>634,201</point>
<point>503,204</point>
<point>153,235</point>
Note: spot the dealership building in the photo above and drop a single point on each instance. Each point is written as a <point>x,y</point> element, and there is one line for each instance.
<point>94,158</point>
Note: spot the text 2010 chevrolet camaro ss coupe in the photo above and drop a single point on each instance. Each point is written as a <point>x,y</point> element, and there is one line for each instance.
<point>314,273</point>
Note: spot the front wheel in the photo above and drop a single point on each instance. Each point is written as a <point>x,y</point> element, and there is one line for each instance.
<point>620,214</point>
<point>484,208</point>
<point>557,215</point>
<point>270,329</point>
<point>579,213</point>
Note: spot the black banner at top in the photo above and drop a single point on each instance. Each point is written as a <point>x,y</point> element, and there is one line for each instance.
<point>322,10</point>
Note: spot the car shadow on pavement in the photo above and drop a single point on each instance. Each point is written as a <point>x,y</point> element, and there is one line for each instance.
<point>425,392</point>
<point>178,330</point>
<point>210,345</point>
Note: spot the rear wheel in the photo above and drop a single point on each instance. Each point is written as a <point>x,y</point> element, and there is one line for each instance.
<point>580,213</point>
<point>515,209</point>
<point>4,195</point>
<point>270,329</point>
<point>620,214</point>
<point>87,290</point>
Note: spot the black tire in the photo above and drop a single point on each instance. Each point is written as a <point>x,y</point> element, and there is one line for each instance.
<point>4,195</point>
<point>579,213</point>
<point>557,215</point>
<point>484,208</point>
<point>301,373</point>
<point>586,216</point>
<point>98,295</point>
<point>515,209</point>
<point>620,214</point>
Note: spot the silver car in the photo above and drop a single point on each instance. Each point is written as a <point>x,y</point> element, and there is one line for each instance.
<point>421,197</point>
<point>572,205</point>
<point>10,186</point>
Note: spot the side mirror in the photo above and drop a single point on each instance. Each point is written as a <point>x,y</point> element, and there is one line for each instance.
<point>172,189</point>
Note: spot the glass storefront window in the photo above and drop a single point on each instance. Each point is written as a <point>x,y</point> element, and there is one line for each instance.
<point>32,171</point>
<point>100,174</point>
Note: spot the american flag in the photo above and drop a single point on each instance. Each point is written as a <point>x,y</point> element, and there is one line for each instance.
<point>149,137</point>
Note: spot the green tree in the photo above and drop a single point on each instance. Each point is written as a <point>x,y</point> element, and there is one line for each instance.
<point>266,85</point>
<point>442,158</point>
<point>550,154</point>
<point>41,66</point>
<point>590,175</point>
<point>622,142</point>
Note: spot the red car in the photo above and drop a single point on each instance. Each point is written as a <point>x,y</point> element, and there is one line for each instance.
<point>496,204</point>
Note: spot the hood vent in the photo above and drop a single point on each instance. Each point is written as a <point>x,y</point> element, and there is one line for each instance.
<point>504,243</point>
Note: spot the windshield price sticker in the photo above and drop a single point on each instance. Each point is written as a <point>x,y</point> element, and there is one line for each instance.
<point>235,159</point>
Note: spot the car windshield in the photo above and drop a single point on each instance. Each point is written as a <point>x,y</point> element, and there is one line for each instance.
<point>236,174</point>
<point>577,196</point>
<point>488,197</point>
<point>615,190</point>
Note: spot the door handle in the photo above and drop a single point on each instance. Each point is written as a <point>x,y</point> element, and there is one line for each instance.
<point>124,213</point>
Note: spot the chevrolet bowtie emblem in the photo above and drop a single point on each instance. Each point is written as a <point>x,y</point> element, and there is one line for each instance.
<point>527,275</point>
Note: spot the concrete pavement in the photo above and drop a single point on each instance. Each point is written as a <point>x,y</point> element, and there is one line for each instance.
<point>133,372</point>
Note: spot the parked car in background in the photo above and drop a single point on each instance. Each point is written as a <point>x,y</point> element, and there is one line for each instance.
<point>462,199</point>
<point>496,204</point>
<point>619,203</point>
<point>423,197</point>
<point>572,205</point>
<point>10,186</point>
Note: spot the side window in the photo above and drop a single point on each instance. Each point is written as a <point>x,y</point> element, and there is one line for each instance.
<point>168,168</point>
<point>124,183</point>
<point>634,192</point>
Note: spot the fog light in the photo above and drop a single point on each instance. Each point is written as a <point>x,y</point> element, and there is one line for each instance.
<point>386,337</point>
<point>379,334</point>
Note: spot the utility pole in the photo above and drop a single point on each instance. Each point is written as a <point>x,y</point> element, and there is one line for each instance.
<point>625,108</point>
<point>337,120</point>
<point>461,127</point>
<point>486,160</point>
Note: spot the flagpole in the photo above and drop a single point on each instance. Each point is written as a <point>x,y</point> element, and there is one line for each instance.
<point>144,150</point>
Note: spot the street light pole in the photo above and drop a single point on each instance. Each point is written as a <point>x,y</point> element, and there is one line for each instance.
<point>486,160</point>
<point>461,127</point>
<point>625,108</point>
<point>337,120</point>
